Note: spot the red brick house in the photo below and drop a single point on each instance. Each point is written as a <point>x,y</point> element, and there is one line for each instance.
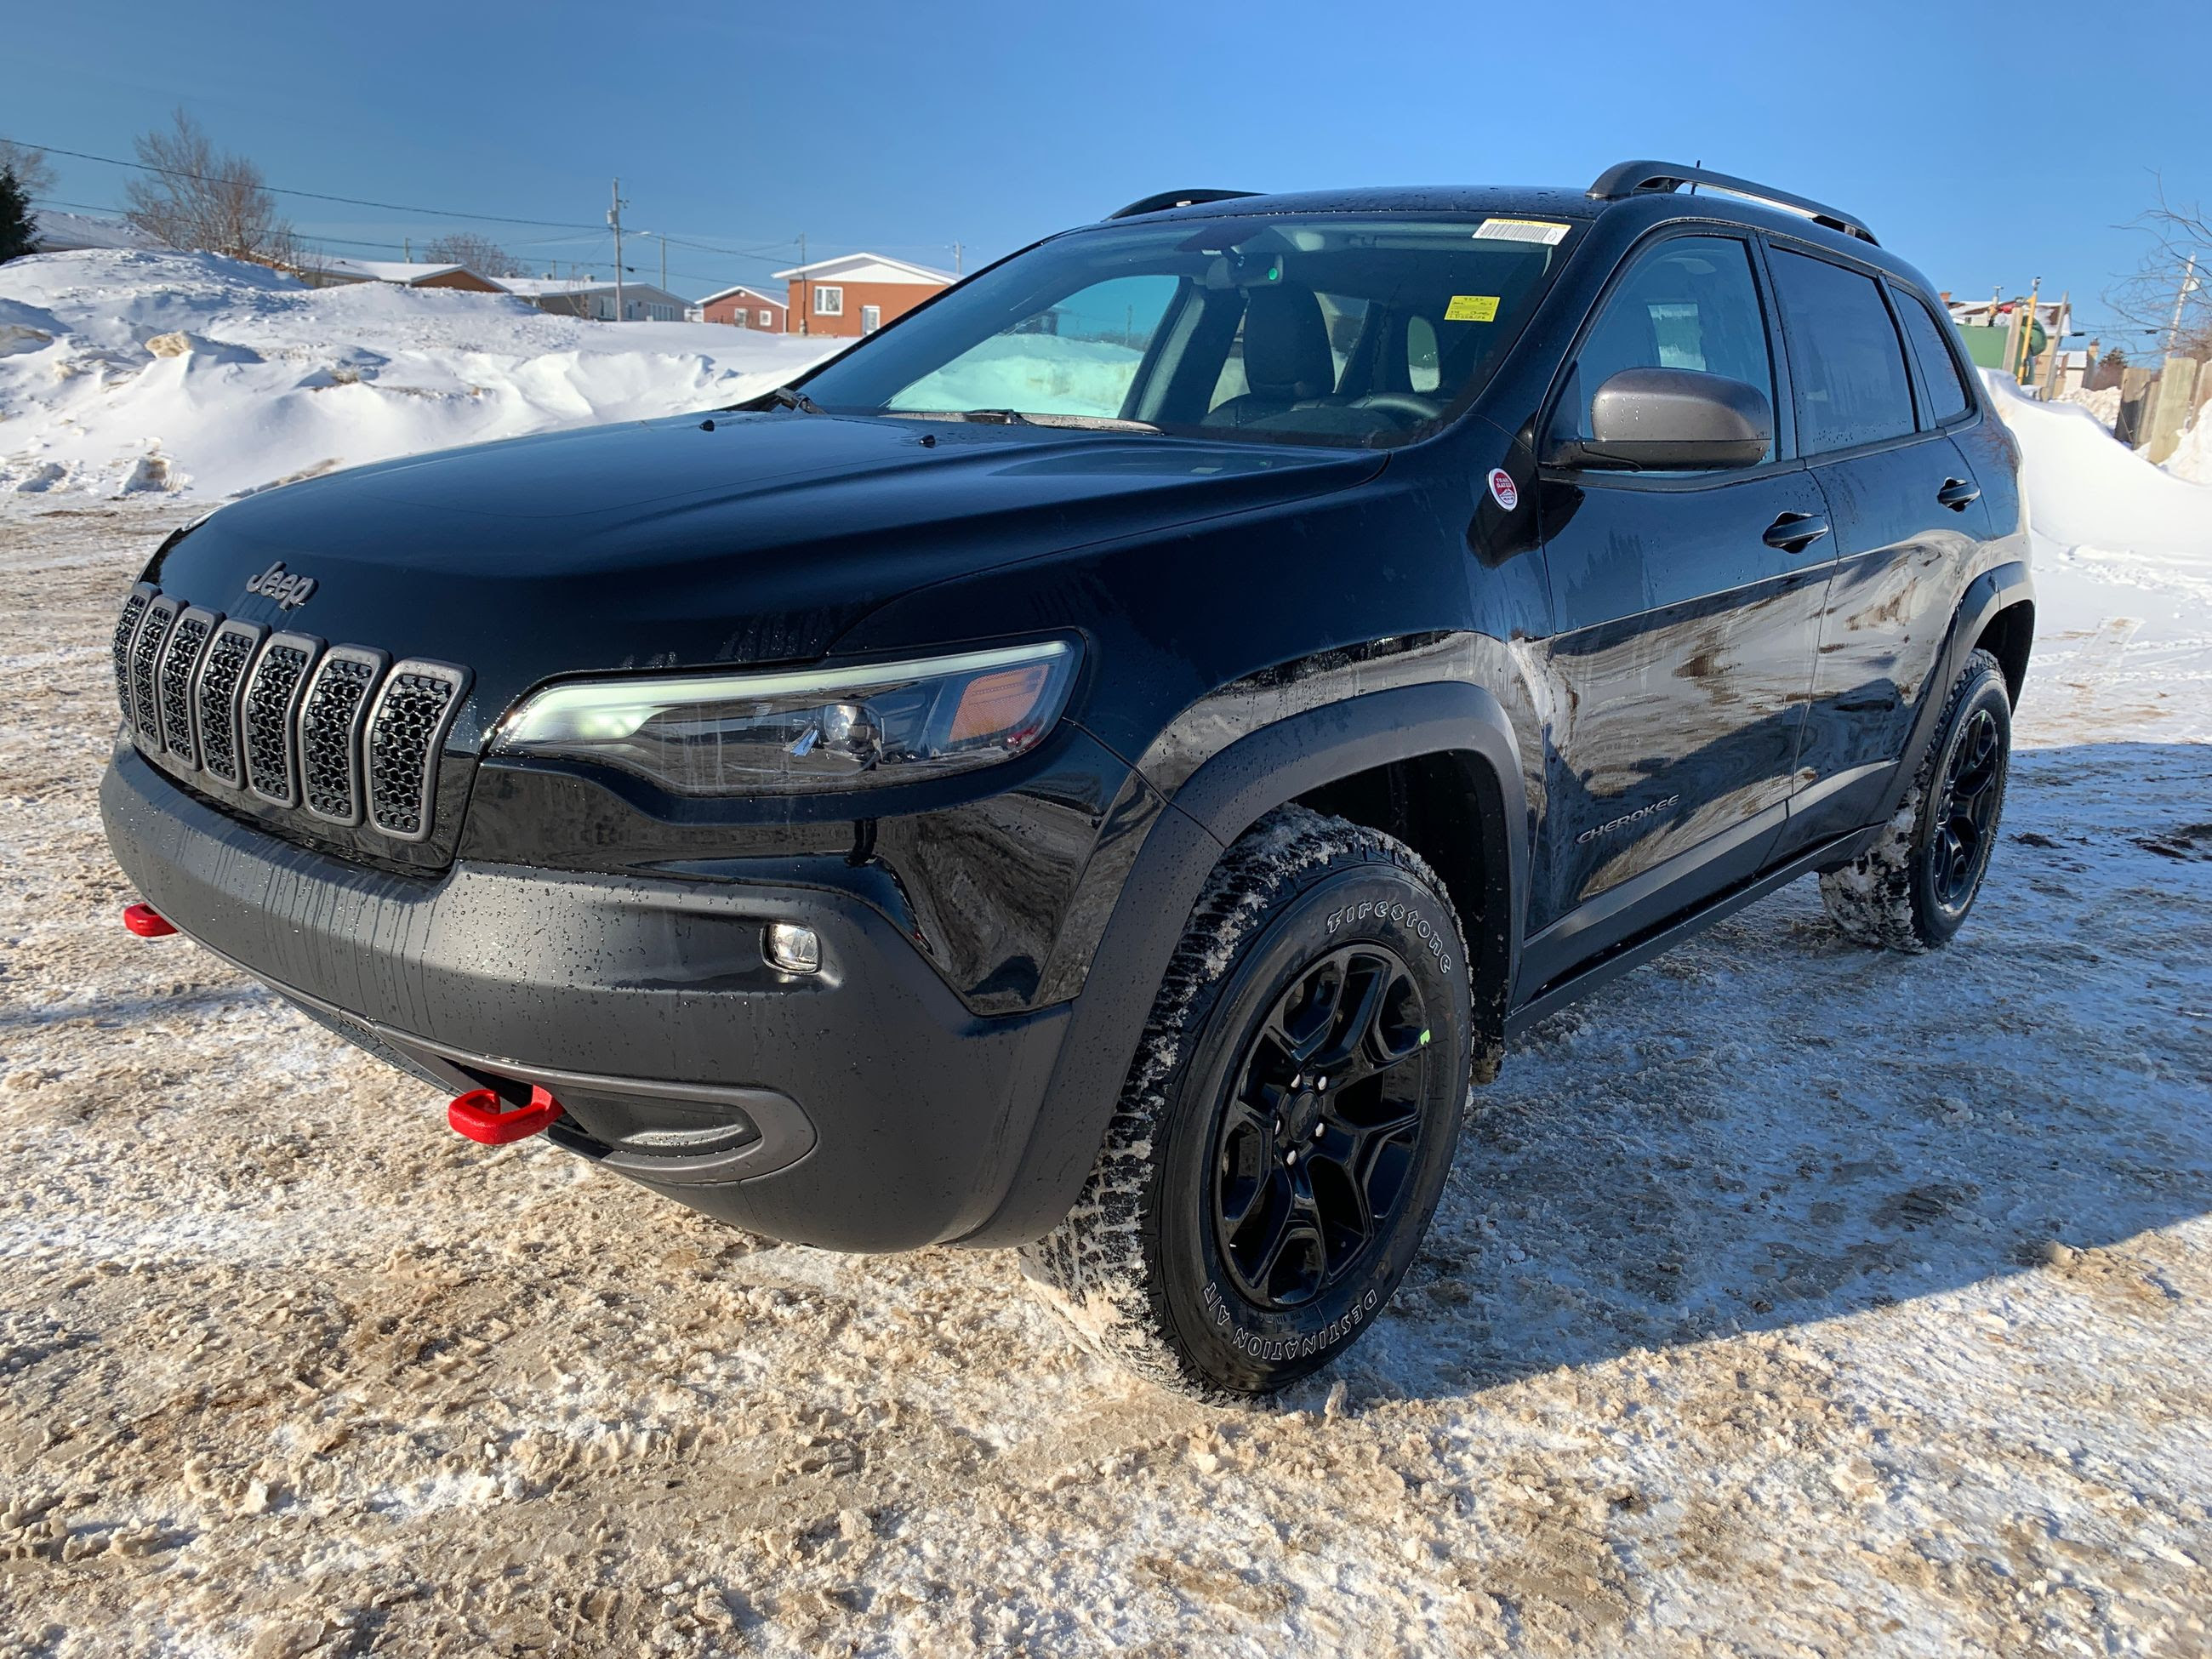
<point>747,308</point>
<point>857,294</point>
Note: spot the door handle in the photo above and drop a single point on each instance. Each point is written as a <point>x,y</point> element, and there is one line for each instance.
<point>1793,532</point>
<point>1957,495</point>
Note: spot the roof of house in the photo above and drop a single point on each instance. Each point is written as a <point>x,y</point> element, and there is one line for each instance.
<point>57,232</point>
<point>744,288</point>
<point>539,288</point>
<point>405,273</point>
<point>869,267</point>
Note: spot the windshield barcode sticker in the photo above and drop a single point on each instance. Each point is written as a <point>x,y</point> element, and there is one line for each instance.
<point>1549,232</point>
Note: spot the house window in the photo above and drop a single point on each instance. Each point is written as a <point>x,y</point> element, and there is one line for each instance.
<point>765,321</point>
<point>828,301</point>
<point>872,319</point>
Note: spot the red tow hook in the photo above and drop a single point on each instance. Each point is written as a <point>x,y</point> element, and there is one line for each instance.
<point>481,1114</point>
<point>146,921</point>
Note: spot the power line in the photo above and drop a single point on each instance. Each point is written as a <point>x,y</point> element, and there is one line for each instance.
<point>310,195</point>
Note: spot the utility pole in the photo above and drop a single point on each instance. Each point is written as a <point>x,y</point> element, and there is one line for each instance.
<point>2020,372</point>
<point>955,259</point>
<point>406,249</point>
<point>614,218</point>
<point>806,303</point>
<point>2180,298</point>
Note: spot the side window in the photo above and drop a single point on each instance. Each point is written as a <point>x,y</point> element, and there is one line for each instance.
<point>1690,302</point>
<point>1947,393</point>
<point>1844,355</point>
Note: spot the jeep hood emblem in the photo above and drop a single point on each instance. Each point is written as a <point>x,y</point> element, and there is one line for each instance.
<point>290,593</point>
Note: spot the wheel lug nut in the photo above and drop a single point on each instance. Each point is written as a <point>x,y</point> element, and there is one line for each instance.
<point>1322,1084</point>
<point>1278,1126</point>
<point>1290,1157</point>
<point>1319,1131</point>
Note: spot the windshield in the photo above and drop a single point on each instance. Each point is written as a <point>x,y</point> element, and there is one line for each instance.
<point>1359,329</point>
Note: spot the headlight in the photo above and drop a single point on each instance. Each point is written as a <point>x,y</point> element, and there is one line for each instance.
<point>807,729</point>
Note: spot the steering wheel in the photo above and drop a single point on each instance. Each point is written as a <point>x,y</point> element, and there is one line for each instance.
<point>1410,405</point>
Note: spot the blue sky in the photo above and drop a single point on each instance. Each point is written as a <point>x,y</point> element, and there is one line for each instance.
<point>1989,145</point>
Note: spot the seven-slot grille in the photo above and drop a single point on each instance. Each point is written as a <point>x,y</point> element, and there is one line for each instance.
<point>342,732</point>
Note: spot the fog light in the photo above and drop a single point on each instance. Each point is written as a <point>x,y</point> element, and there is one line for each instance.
<point>794,948</point>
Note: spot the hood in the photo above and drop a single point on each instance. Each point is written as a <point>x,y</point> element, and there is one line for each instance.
<point>730,538</point>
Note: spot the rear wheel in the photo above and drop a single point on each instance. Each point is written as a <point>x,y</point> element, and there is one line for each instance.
<point>1283,1138</point>
<point>1912,889</point>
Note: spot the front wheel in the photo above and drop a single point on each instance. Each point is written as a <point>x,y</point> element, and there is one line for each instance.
<point>1285,1133</point>
<point>1912,888</point>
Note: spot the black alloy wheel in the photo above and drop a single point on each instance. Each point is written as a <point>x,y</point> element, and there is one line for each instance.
<point>1322,1127</point>
<point>1964,824</point>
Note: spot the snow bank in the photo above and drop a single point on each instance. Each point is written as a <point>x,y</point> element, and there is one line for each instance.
<point>132,372</point>
<point>2086,489</point>
<point>2193,459</point>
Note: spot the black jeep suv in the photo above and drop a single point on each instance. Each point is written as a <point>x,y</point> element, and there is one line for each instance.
<point>1101,765</point>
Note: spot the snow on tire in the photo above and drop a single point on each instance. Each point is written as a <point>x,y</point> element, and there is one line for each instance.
<point>1886,897</point>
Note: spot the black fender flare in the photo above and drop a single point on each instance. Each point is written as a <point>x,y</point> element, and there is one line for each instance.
<point>1218,803</point>
<point>1998,588</point>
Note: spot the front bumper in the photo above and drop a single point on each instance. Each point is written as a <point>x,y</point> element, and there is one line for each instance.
<point>863,1108</point>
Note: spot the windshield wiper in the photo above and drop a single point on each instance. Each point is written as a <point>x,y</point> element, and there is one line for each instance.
<point>785,397</point>
<point>1016,418</point>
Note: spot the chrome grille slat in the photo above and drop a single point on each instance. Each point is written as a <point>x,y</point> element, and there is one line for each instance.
<point>342,733</point>
<point>407,727</point>
<point>173,679</point>
<point>331,711</point>
<point>270,706</point>
<point>145,657</point>
<point>216,695</point>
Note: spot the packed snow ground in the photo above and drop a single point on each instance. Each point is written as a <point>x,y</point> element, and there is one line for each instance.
<point>162,373</point>
<point>1787,1298</point>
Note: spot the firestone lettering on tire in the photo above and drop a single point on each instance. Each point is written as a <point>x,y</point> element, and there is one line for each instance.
<point>1403,915</point>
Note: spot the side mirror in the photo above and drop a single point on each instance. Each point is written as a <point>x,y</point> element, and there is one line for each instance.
<point>1671,420</point>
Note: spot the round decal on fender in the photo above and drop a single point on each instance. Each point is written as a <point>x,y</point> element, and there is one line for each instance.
<point>1503,490</point>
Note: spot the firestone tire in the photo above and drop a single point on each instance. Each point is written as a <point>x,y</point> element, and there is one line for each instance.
<point>1287,1127</point>
<point>1912,889</point>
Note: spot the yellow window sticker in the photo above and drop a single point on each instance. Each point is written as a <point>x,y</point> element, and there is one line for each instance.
<point>1548,232</point>
<point>1472,308</point>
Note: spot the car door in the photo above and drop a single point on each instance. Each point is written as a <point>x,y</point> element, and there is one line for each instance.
<point>1906,514</point>
<point>1686,606</point>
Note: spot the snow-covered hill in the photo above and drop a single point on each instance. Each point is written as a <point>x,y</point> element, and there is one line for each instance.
<point>123,372</point>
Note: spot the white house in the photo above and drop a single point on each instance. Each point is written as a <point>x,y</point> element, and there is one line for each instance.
<point>587,296</point>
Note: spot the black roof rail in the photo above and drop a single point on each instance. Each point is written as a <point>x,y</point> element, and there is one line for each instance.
<point>1633,177</point>
<point>1175,198</point>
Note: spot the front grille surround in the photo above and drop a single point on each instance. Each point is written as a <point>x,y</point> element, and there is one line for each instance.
<point>333,709</point>
<point>268,714</point>
<point>413,711</point>
<point>218,694</point>
<point>146,645</point>
<point>173,679</point>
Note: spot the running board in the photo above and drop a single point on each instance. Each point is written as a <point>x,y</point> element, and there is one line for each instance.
<point>1633,953</point>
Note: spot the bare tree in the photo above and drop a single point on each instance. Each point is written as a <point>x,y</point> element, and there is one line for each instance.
<point>199,197</point>
<point>2146,296</point>
<point>32,171</point>
<point>479,253</point>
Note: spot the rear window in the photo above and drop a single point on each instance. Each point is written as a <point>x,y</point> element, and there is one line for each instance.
<point>1347,329</point>
<point>1947,399</point>
<point>1848,361</point>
